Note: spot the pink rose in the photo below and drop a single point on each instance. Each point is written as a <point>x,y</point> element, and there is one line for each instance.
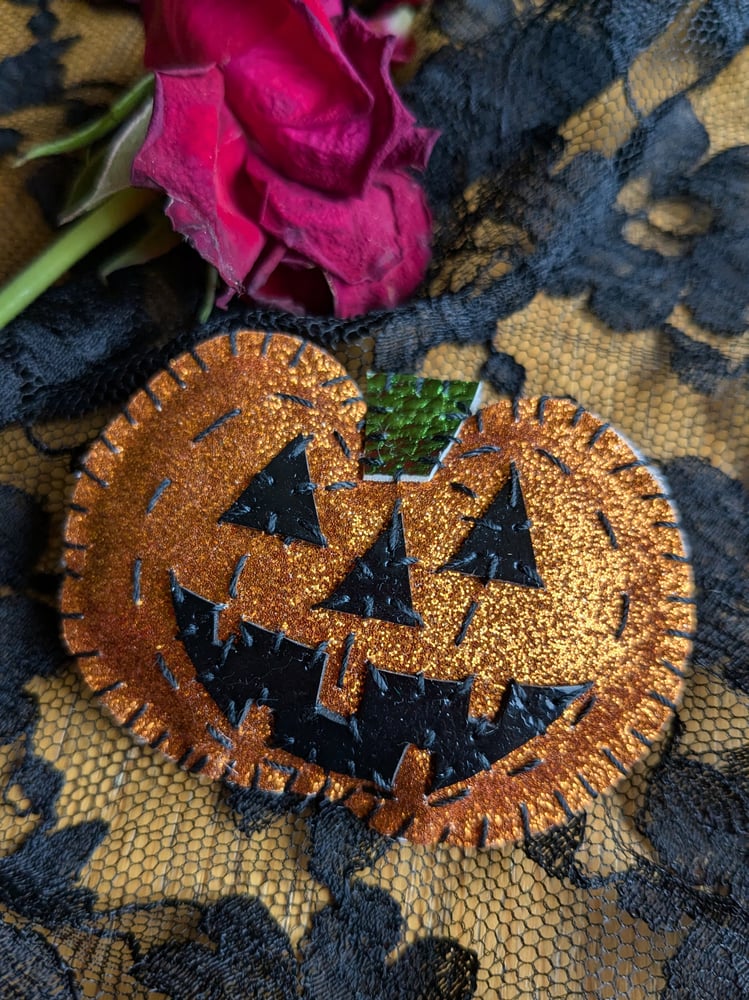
<point>285,151</point>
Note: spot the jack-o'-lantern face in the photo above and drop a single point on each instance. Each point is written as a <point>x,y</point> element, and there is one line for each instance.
<point>458,657</point>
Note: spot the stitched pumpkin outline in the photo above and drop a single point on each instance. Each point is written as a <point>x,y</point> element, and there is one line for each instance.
<point>148,504</point>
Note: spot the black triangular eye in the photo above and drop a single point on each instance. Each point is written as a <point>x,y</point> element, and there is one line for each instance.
<point>499,545</point>
<point>378,586</point>
<point>280,498</point>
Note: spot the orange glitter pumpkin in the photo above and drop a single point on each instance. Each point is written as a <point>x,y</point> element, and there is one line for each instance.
<point>459,659</point>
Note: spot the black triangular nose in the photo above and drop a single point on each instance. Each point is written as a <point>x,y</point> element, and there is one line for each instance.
<point>378,586</point>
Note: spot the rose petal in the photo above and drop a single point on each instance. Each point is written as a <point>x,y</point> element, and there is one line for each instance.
<point>397,142</point>
<point>208,202</point>
<point>309,113</point>
<point>297,288</point>
<point>341,235</point>
<point>326,115</point>
<point>189,33</point>
<point>332,8</point>
<point>374,250</point>
<point>413,220</point>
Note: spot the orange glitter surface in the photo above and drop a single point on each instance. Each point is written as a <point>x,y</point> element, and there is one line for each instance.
<point>615,610</point>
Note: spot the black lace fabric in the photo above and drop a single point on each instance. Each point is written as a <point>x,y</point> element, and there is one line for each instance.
<point>591,202</point>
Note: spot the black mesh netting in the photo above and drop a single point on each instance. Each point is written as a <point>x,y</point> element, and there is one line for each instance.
<point>591,198</point>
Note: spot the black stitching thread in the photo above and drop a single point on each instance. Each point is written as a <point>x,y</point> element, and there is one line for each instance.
<point>525,819</point>
<point>678,599</point>
<point>587,785</point>
<point>584,709</point>
<point>344,484</point>
<point>335,381</point>
<point>348,644</point>
<point>606,525</point>
<point>166,672</point>
<point>129,417</point>
<point>110,687</point>
<point>563,803</point>
<point>349,793</point>
<point>374,808</point>
<point>234,582</point>
<point>185,756</point>
<point>597,435</point>
<point>115,450</point>
<point>265,344</point>
<point>342,443</point>
<point>298,356</point>
<point>74,546</point>
<point>199,764</point>
<point>577,416</point>
<point>290,397</point>
<point>674,669</point>
<point>161,738</point>
<point>643,739</point>
<point>139,712</point>
<point>624,616</point>
<point>637,464</point>
<point>675,557</point>
<point>177,378</point>
<point>447,800</point>
<point>199,361</point>
<point>218,422</point>
<point>472,609</point>
<point>233,346</point>
<point>562,466</point>
<point>614,760</point>
<point>93,477</point>
<point>72,615</point>
<point>662,700</point>
<point>654,496</point>
<point>484,834</point>
<point>154,398</point>
<point>285,769</point>
<point>526,767</point>
<point>465,490</point>
<point>485,449</point>
<point>480,421</point>
<point>445,834</point>
<point>541,410</point>
<point>137,567</point>
<point>157,493</point>
<point>401,831</point>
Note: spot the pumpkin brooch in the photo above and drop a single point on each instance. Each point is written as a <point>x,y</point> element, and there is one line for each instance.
<point>464,625</point>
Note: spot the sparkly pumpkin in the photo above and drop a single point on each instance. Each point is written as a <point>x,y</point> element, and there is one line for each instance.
<point>461,653</point>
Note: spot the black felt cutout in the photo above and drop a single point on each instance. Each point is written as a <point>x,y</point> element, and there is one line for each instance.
<point>396,710</point>
<point>279,499</point>
<point>378,586</point>
<point>256,666</point>
<point>499,546</point>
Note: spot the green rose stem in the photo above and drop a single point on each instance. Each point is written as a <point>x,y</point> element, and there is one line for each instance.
<point>97,129</point>
<point>74,243</point>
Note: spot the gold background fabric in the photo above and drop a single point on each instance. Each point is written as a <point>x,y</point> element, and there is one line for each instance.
<point>170,833</point>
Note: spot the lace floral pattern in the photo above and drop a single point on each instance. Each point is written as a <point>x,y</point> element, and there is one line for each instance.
<point>585,162</point>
